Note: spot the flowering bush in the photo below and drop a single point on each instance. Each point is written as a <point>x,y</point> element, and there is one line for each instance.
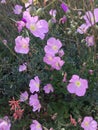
<point>49,65</point>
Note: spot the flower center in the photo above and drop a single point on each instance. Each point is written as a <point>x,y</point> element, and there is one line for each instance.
<point>57,64</point>
<point>24,46</point>
<point>33,27</point>
<point>54,47</point>
<point>91,39</point>
<point>93,19</point>
<point>86,123</point>
<point>37,85</point>
<point>38,126</point>
<point>78,83</point>
<point>49,86</point>
<point>50,58</point>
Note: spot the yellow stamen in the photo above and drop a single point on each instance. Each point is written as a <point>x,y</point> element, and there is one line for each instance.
<point>86,123</point>
<point>38,126</point>
<point>54,47</point>
<point>37,85</point>
<point>33,27</point>
<point>57,64</point>
<point>25,46</point>
<point>78,83</point>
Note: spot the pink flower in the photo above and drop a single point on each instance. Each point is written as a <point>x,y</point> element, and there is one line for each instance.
<point>62,20</point>
<point>17,9</point>
<point>34,101</point>
<point>51,129</point>
<point>57,63</point>
<point>5,42</point>
<point>52,20</point>
<point>26,16</point>
<point>22,45</point>
<point>48,88</point>
<point>23,96</point>
<point>53,12</point>
<point>90,40</point>
<point>64,7</point>
<point>48,59</point>
<point>5,123</point>
<point>20,25</point>
<point>83,28</point>
<point>37,27</point>
<point>34,84</point>
<point>77,85</point>
<point>53,46</point>
<point>60,52</point>
<point>3,1</point>
<point>89,124</point>
<point>91,72</point>
<point>91,17</point>
<point>35,125</point>
<point>73,121</point>
<point>23,67</point>
<point>64,78</point>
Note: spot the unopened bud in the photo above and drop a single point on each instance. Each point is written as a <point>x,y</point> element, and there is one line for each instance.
<point>40,12</point>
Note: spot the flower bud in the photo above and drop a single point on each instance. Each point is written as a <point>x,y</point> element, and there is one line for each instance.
<point>40,12</point>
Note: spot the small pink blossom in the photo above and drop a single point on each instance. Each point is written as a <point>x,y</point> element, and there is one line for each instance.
<point>77,85</point>
<point>91,17</point>
<point>89,123</point>
<point>17,9</point>
<point>23,67</point>
<point>53,46</point>
<point>54,61</point>
<point>79,13</point>
<point>51,129</point>
<point>53,12</point>
<point>53,20</point>
<point>57,63</point>
<point>20,25</point>
<point>34,84</point>
<point>73,121</point>
<point>22,45</point>
<point>91,72</point>
<point>60,52</point>
<point>48,58</point>
<point>83,28</point>
<point>3,1</point>
<point>48,88</point>
<point>64,7</point>
<point>24,96</point>
<point>62,20</point>
<point>5,42</point>
<point>34,101</point>
<point>35,125</point>
<point>37,27</point>
<point>64,78</point>
<point>26,16</point>
<point>5,123</point>
<point>90,40</point>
